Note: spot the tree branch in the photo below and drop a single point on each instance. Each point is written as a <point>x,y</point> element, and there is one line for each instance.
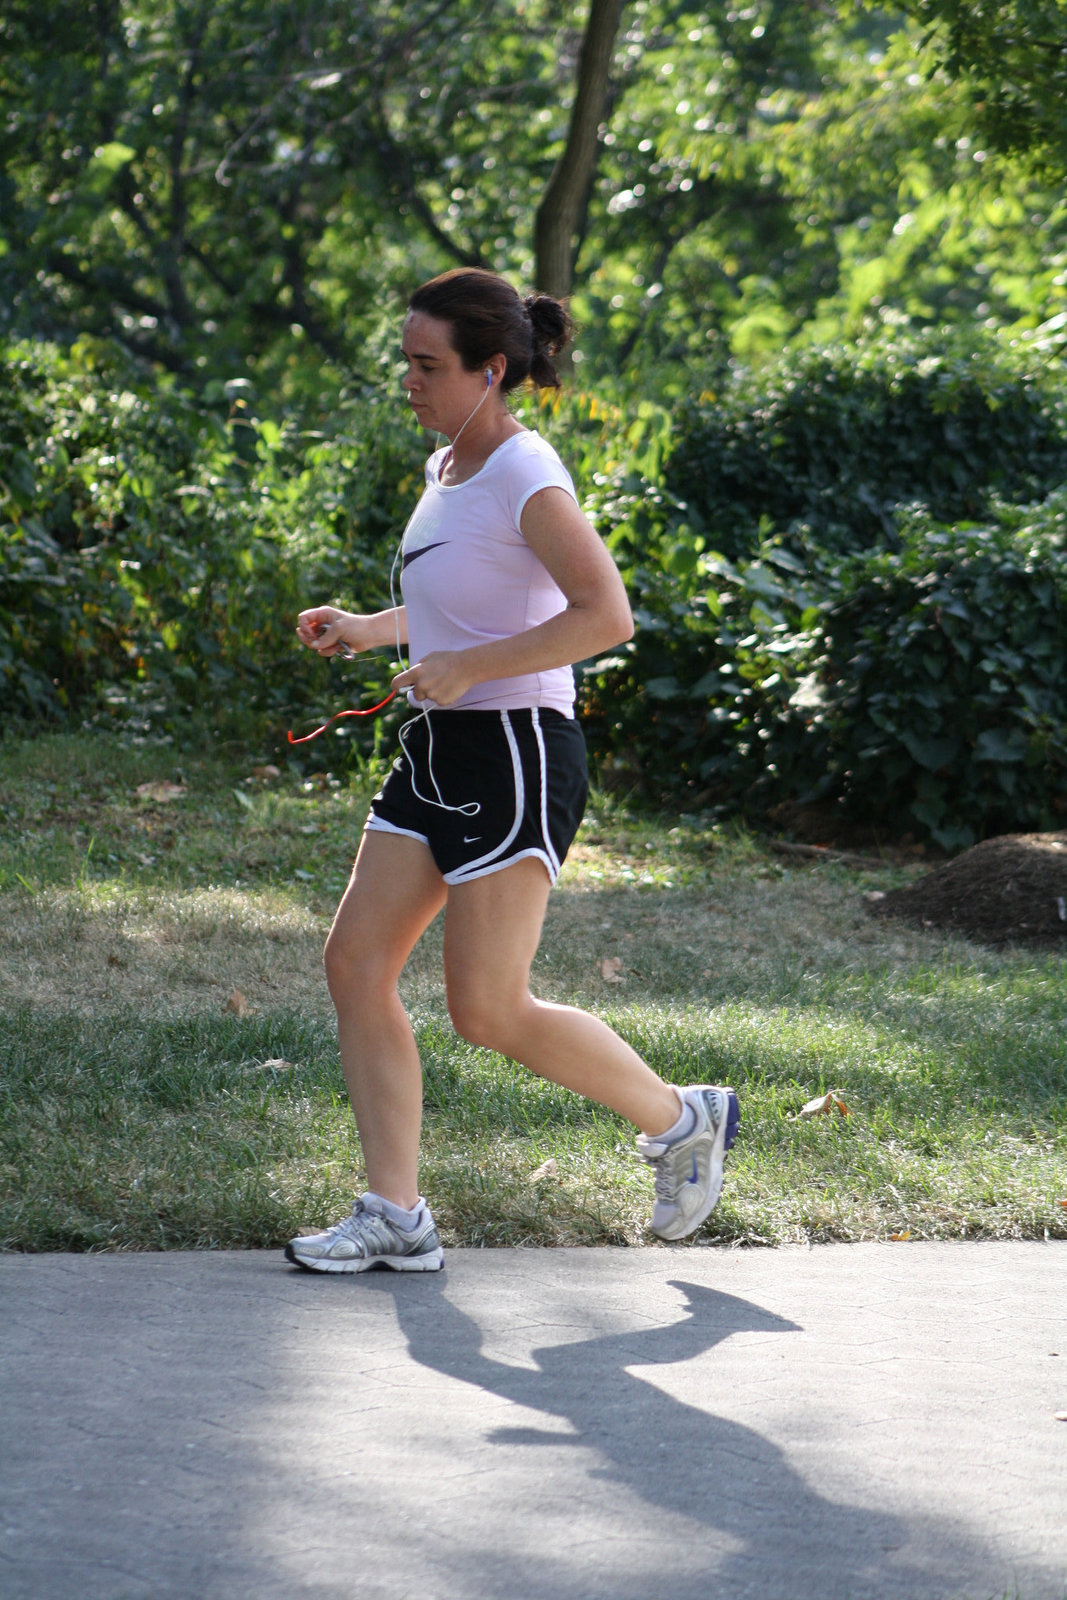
<point>401,168</point>
<point>104,280</point>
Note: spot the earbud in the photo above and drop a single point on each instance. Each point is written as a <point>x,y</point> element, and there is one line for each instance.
<point>488,377</point>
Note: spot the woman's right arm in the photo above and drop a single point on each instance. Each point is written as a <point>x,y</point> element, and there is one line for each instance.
<point>329,630</point>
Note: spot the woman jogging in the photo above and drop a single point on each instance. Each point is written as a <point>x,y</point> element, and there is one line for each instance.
<point>505,584</point>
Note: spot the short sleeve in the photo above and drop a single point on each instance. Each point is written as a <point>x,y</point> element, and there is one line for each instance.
<point>534,466</point>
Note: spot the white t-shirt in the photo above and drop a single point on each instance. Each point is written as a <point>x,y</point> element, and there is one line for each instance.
<point>469,576</point>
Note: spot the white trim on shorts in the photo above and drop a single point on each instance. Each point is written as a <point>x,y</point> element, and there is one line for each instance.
<point>376,824</point>
<point>554,862</point>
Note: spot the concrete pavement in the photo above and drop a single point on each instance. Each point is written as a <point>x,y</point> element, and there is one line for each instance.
<point>865,1422</point>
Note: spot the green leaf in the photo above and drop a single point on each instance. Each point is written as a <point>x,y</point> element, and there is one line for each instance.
<point>112,157</point>
<point>933,754</point>
<point>665,688</point>
<point>1001,744</point>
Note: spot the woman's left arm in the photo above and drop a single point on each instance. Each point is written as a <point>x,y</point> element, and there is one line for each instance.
<point>597,615</point>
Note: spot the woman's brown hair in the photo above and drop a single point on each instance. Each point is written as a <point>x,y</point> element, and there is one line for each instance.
<point>488,317</point>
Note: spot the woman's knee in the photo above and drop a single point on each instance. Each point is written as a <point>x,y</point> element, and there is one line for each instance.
<point>483,1018</point>
<point>354,966</point>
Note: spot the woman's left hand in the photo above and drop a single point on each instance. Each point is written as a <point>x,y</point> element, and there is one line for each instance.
<point>439,677</point>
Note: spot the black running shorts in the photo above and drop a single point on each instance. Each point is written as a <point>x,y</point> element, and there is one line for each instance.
<point>486,788</point>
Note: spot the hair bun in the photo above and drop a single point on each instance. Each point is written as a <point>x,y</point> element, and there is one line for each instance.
<point>552,326</point>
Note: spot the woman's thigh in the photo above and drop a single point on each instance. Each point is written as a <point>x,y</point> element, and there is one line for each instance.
<point>392,897</point>
<point>492,930</point>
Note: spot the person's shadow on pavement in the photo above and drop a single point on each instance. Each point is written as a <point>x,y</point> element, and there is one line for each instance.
<point>753,1520</point>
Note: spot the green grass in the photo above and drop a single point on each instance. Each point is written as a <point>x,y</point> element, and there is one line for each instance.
<point>138,1112</point>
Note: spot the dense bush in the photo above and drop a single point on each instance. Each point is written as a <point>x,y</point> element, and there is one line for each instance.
<point>824,447</point>
<point>922,690</point>
<point>841,597</point>
<point>936,695</point>
<point>154,553</point>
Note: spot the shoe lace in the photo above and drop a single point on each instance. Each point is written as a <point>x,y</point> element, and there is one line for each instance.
<point>365,1227</point>
<point>353,1225</point>
<point>664,1176</point>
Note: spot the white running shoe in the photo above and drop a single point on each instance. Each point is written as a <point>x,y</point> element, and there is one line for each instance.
<point>689,1171</point>
<point>366,1238</point>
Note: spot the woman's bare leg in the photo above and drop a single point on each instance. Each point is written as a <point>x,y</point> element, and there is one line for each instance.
<point>492,930</point>
<point>394,894</point>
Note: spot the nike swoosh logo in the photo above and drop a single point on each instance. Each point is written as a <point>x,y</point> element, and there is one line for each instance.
<point>413,555</point>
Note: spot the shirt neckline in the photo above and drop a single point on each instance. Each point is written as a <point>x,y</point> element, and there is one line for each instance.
<point>449,488</point>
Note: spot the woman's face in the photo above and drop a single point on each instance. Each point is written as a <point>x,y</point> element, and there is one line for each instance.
<point>441,392</point>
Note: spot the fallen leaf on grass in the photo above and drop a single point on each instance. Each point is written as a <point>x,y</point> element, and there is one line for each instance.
<point>823,1104</point>
<point>276,1064</point>
<point>899,1238</point>
<point>547,1169</point>
<point>608,967</point>
<point>162,790</point>
<point>1062,1203</point>
<point>238,1004</point>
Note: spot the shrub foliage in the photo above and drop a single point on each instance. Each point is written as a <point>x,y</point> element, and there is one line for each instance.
<point>849,576</point>
<point>825,446</point>
<point>842,597</point>
<point>154,552</point>
<point>937,680</point>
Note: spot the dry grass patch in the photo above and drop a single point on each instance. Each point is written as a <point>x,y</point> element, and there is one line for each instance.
<point>94,950</point>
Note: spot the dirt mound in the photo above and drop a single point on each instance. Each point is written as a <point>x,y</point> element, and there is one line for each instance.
<point>1009,890</point>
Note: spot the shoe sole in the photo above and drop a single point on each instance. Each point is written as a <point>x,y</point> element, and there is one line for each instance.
<point>728,1128</point>
<point>431,1261</point>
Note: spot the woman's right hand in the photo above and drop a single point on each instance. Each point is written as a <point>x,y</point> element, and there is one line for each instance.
<point>331,631</point>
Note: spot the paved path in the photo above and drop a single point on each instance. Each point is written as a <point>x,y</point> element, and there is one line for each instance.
<point>656,1424</point>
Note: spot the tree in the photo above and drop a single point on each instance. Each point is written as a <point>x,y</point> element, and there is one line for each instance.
<point>247,188</point>
<point>562,213</point>
<point>216,182</point>
<point>1012,55</point>
<point>223,186</point>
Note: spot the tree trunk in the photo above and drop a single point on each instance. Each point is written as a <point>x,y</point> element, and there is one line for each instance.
<point>561,215</point>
